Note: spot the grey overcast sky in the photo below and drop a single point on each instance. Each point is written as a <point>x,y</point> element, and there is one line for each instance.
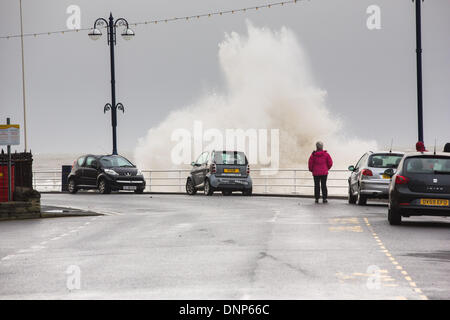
<point>369,75</point>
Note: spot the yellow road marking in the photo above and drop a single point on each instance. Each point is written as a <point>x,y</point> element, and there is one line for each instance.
<point>344,221</point>
<point>345,228</point>
<point>398,267</point>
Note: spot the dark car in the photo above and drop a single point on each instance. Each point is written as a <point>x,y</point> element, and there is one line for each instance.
<point>106,173</point>
<point>421,186</point>
<point>225,171</point>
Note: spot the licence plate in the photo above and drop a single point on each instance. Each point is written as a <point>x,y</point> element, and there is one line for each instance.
<point>385,176</point>
<point>434,202</point>
<point>231,170</point>
<point>129,187</point>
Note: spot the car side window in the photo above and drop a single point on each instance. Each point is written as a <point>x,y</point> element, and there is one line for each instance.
<point>205,160</point>
<point>80,161</point>
<point>199,159</point>
<point>89,161</point>
<point>358,165</point>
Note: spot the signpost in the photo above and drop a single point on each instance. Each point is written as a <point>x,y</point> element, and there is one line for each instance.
<point>9,135</point>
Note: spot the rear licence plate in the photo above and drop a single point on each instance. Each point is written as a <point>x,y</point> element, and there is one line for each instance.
<point>129,187</point>
<point>434,202</point>
<point>231,170</point>
<point>385,176</point>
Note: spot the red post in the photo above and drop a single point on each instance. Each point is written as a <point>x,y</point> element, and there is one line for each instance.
<point>4,182</point>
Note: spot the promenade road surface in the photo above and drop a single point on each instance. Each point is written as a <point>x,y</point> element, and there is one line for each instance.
<point>197,247</point>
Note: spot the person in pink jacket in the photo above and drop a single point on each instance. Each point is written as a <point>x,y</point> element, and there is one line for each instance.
<point>319,163</point>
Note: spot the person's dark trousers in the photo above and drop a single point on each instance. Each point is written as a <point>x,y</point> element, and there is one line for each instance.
<point>320,181</point>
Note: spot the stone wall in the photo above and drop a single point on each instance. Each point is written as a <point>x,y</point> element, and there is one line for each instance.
<point>20,209</point>
<point>26,204</point>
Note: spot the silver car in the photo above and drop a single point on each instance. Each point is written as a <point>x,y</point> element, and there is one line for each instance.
<point>368,178</point>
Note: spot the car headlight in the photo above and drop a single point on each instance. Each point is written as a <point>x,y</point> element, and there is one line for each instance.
<point>111,172</point>
<point>139,173</point>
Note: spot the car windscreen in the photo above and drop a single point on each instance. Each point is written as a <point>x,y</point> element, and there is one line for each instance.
<point>230,157</point>
<point>115,161</point>
<point>430,165</point>
<point>384,160</point>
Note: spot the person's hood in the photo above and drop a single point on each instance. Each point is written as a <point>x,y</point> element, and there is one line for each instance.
<point>420,146</point>
<point>321,153</point>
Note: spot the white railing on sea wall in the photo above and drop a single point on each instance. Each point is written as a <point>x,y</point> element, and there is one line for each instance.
<point>281,181</point>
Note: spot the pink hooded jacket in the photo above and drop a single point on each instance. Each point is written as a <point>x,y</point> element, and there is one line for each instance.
<point>319,163</point>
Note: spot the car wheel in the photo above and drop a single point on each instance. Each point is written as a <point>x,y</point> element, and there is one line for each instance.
<point>361,199</point>
<point>394,217</point>
<point>208,189</point>
<point>139,191</point>
<point>247,192</point>
<point>227,192</point>
<point>72,186</point>
<point>103,187</point>
<point>351,198</point>
<point>190,188</point>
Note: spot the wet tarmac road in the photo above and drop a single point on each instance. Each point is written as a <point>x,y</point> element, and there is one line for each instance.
<point>182,247</point>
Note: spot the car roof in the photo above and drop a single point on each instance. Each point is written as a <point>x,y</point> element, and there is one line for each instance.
<point>428,153</point>
<point>226,151</point>
<point>386,152</point>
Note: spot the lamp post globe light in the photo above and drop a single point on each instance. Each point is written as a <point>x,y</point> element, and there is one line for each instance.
<point>95,34</point>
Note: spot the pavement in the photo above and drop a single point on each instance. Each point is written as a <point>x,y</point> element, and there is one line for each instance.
<point>198,247</point>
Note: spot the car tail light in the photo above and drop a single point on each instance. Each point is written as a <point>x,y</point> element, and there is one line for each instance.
<point>401,180</point>
<point>367,172</point>
<point>213,168</point>
<point>248,169</point>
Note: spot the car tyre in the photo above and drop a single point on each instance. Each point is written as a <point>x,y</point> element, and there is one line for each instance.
<point>351,198</point>
<point>208,189</point>
<point>139,191</point>
<point>227,192</point>
<point>72,186</point>
<point>394,217</point>
<point>104,187</point>
<point>190,188</point>
<point>247,192</point>
<point>361,199</point>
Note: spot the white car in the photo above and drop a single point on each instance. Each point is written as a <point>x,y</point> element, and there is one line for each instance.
<point>368,178</point>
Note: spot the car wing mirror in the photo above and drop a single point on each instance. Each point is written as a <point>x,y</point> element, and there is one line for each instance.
<point>94,164</point>
<point>389,172</point>
<point>195,164</point>
<point>351,168</point>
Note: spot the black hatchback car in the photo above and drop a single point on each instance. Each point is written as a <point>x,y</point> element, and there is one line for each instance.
<point>106,173</point>
<point>421,186</point>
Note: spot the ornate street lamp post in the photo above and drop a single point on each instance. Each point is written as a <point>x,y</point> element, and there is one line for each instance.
<point>127,34</point>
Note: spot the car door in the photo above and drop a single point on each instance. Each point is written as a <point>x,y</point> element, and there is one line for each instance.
<point>198,173</point>
<point>78,172</point>
<point>204,167</point>
<point>90,171</point>
<point>354,178</point>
